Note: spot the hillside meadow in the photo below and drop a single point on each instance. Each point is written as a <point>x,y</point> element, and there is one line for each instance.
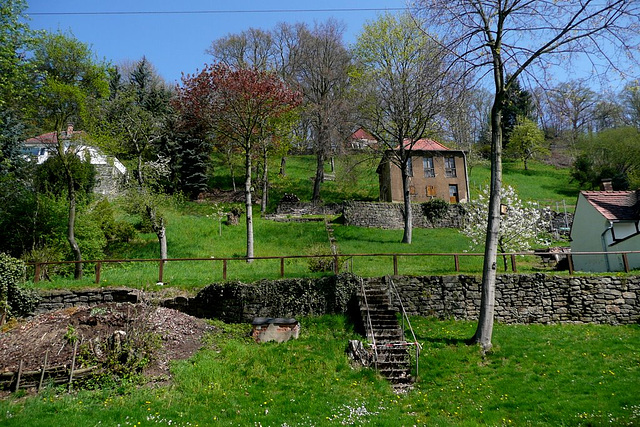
<point>192,232</point>
<point>536,375</point>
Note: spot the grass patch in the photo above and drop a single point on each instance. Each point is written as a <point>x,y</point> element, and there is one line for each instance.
<point>537,375</point>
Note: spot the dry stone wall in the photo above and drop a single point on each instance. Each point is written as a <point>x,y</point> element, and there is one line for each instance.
<point>521,298</point>
<point>390,216</point>
<point>57,299</point>
<point>532,298</point>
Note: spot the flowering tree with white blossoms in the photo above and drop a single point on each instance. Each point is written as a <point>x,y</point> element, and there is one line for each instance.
<point>521,223</point>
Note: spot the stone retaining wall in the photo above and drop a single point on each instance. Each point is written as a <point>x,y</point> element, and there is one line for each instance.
<point>526,298</point>
<point>390,216</point>
<point>57,299</point>
<point>522,298</point>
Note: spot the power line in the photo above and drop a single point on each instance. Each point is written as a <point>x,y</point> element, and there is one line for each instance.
<point>217,12</point>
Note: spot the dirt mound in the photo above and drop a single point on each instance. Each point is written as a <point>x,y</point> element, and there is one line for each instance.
<point>94,327</point>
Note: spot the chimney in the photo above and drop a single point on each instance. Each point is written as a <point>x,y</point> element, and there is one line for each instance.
<point>605,184</point>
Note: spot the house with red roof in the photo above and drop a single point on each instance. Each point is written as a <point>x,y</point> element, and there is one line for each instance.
<point>606,221</point>
<point>361,139</point>
<point>435,171</point>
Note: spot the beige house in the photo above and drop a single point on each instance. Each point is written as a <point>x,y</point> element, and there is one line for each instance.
<point>435,171</point>
<point>606,221</point>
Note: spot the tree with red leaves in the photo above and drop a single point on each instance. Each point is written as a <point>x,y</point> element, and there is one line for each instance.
<point>240,107</point>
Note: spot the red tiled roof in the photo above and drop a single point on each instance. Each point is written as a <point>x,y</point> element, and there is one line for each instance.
<point>362,134</point>
<point>51,137</point>
<point>615,205</point>
<point>45,138</point>
<point>424,144</point>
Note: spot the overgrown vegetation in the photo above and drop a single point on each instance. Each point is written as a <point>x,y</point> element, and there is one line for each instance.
<point>580,374</point>
<point>15,300</point>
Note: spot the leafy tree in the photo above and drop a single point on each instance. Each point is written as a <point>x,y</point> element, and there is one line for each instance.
<point>521,222</point>
<point>238,106</point>
<point>527,141</point>
<point>68,80</point>
<point>506,39</point>
<point>610,154</point>
<point>15,70</point>
<point>518,103</point>
<point>400,78</point>
<point>631,102</point>
<point>133,124</point>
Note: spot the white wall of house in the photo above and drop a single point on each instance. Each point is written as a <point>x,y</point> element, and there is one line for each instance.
<point>587,236</point>
<point>592,232</point>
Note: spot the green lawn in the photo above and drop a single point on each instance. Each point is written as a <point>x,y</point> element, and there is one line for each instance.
<point>537,375</point>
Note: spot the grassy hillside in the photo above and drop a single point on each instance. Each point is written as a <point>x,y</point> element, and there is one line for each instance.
<point>355,178</point>
<point>537,375</point>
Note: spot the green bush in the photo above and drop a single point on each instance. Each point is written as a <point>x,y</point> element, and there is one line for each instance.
<point>435,209</point>
<point>14,300</point>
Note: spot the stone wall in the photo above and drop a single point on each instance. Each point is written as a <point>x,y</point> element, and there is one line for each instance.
<point>521,298</point>
<point>240,302</point>
<point>526,298</point>
<point>389,215</point>
<point>57,299</point>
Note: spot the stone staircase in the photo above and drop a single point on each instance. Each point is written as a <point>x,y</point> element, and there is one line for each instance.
<point>382,328</point>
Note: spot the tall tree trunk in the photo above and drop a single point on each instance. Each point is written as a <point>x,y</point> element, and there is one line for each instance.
<point>319,178</point>
<point>71,220</point>
<point>283,166</point>
<point>265,182</point>
<point>162,238</point>
<point>484,330</point>
<point>406,197</point>
<point>71,227</point>
<point>248,205</point>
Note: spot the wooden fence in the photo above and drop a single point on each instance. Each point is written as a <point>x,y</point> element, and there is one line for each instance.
<point>455,258</point>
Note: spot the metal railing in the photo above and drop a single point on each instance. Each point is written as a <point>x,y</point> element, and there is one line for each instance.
<point>406,317</point>
<point>335,265</point>
<point>369,324</point>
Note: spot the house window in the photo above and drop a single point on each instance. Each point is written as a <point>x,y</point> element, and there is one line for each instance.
<point>427,165</point>
<point>431,190</point>
<point>453,193</point>
<point>409,167</point>
<point>450,167</point>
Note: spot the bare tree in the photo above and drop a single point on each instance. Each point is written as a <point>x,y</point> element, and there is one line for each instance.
<point>252,48</point>
<point>508,38</point>
<point>400,81</point>
<point>321,71</point>
<point>573,103</point>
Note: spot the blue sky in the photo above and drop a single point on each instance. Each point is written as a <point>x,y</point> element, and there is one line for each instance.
<point>175,43</point>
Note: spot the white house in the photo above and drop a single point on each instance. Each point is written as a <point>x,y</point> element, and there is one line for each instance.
<point>606,221</point>
<point>110,172</point>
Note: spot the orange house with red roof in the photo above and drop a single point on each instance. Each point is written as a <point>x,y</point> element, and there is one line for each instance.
<point>435,171</point>
<point>606,221</point>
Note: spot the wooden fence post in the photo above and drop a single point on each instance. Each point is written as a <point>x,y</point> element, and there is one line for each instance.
<point>395,265</point>
<point>44,368</point>
<point>456,260</point>
<point>224,269</point>
<point>36,277</point>
<point>98,268</point>
<point>160,271</point>
<point>625,261</point>
<point>570,260</point>
<point>513,263</point>
<point>282,267</point>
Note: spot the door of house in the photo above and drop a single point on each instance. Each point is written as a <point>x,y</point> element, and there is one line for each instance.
<point>453,193</point>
